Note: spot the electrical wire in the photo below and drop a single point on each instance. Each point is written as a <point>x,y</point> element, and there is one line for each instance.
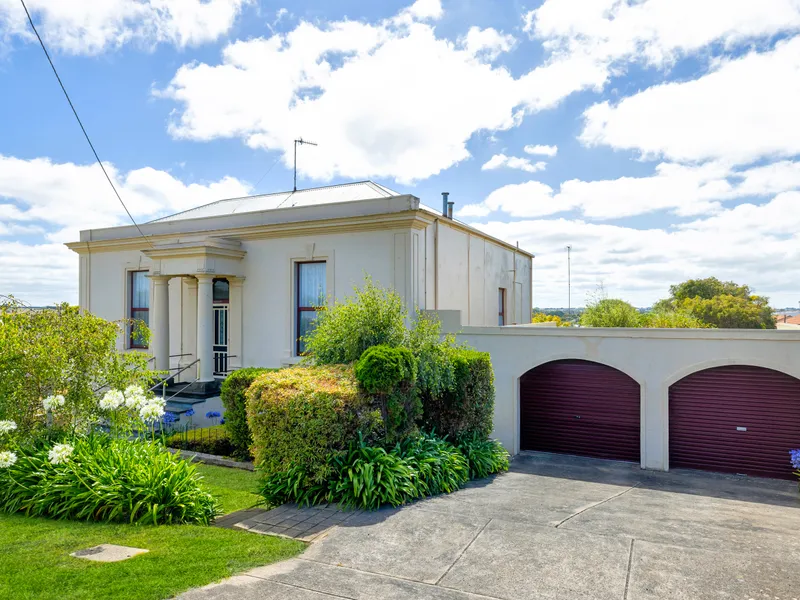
<point>83,129</point>
<point>255,187</point>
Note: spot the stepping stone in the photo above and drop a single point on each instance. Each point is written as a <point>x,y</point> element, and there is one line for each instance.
<point>108,553</point>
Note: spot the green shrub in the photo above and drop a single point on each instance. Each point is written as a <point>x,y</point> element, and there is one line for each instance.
<point>369,477</point>
<point>484,456</point>
<point>610,312</point>
<point>97,478</point>
<point>303,416</point>
<point>440,467</point>
<point>233,398</point>
<point>62,352</point>
<point>467,408</point>
<point>372,317</point>
<point>389,374</point>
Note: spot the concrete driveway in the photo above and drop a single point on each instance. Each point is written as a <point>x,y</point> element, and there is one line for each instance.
<point>560,528</point>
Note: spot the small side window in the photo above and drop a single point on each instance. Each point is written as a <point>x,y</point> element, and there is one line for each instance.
<point>501,304</point>
<point>139,286</point>
<point>310,296</point>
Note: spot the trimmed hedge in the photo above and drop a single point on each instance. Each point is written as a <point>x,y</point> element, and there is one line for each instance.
<point>303,417</point>
<point>232,394</point>
<point>389,375</point>
<point>466,409</point>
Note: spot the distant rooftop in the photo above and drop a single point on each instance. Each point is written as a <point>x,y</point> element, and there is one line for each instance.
<point>348,192</point>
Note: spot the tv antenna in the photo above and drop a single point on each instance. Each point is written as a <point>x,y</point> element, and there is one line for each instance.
<point>300,141</point>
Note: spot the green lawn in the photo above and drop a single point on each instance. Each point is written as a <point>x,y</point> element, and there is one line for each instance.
<point>35,561</point>
<point>236,488</point>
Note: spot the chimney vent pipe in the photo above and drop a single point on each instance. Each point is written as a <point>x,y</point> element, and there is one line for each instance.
<point>450,210</point>
<point>444,203</point>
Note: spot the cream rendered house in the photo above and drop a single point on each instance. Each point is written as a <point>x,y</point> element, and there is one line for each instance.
<point>235,283</point>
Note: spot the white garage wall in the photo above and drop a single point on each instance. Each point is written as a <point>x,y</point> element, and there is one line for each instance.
<point>656,358</point>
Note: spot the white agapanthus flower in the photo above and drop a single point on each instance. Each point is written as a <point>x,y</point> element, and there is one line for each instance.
<point>7,459</point>
<point>53,402</point>
<point>60,453</point>
<point>7,426</point>
<point>134,397</point>
<point>152,411</point>
<point>112,400</point>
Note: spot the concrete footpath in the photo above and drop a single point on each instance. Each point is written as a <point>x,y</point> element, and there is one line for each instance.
<point>559,528</point>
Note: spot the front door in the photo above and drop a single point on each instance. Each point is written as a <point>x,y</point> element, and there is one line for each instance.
<point>221,302</point>
<point>220,339</point>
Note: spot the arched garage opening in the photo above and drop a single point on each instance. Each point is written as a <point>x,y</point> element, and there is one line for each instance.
<point>735,419</point>
<point>580,407</point>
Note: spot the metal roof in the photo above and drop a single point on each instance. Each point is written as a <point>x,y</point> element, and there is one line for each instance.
<point>348,192</point>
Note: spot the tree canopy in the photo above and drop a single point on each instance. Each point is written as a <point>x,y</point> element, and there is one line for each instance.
<point>723,304</point>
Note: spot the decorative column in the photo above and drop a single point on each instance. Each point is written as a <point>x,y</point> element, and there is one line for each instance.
<point>189,328</point>
<point>159,321</point>
<point>235,321</point>
<point>205,327</point>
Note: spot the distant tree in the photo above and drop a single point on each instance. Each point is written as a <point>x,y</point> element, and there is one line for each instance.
<point>541,317</point>
<point>610,312</point>
<point>716,303</point>
<point>671,319</point>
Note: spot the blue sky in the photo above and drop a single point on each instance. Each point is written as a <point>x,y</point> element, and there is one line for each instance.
<point>659,138</point>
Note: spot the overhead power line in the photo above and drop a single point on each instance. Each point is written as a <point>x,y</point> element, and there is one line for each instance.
<point>83,129</point>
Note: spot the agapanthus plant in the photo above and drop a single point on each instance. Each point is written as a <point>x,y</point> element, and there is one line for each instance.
<point>794,458</point>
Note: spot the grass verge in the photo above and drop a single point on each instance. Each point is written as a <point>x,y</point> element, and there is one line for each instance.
<point>35,561</point>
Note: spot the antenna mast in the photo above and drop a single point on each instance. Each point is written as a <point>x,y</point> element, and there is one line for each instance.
<point>300,141</point>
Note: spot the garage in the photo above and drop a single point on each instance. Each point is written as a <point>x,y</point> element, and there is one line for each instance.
<point>735,419</point>
<point>580,407</point>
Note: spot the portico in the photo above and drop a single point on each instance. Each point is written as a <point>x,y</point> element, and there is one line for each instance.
<point>208,267</point>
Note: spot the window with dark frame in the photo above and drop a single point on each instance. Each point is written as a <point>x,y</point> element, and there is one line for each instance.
<point>139,286</point>
<point>310,293</point>
<point>501,304</point>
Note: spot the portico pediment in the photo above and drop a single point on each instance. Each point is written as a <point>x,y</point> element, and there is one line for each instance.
<point>211,255</point>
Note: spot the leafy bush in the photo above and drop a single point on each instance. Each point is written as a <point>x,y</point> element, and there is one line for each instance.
<point>440,467</point>
<point>484,456</point>
<point>467,408</point>
<point>233,398</point>
<point>610,312</point>
<point>389,375</point>
<point>98,478</point>
<point>373,316</point>
<point>63,353</point>
<point>369,477</point>
<point>302,416</point>
<point>670,319</point>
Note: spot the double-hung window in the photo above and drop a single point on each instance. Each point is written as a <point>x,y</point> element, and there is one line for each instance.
<point>501,306</point>
<point>139,286</point>
<point>310,298</point>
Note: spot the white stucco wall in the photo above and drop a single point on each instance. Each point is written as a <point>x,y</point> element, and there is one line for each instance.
<point>656,358</point>
<point>471,269</point>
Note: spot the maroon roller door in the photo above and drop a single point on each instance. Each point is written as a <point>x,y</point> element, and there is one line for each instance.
<point>580,407</point>
<point>736,419</point>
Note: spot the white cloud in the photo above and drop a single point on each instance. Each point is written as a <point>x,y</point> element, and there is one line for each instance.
<point>541,150</point>
<point>754,244</point>
<point>426,9</point>
<point>744,110</point>
<point>382,100</point>
<point>489,42</point>
<point>53,201</point>
<point>513,162</point>
<point>655,31</point>
<point>92,27</point>
<point>684,190</point>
